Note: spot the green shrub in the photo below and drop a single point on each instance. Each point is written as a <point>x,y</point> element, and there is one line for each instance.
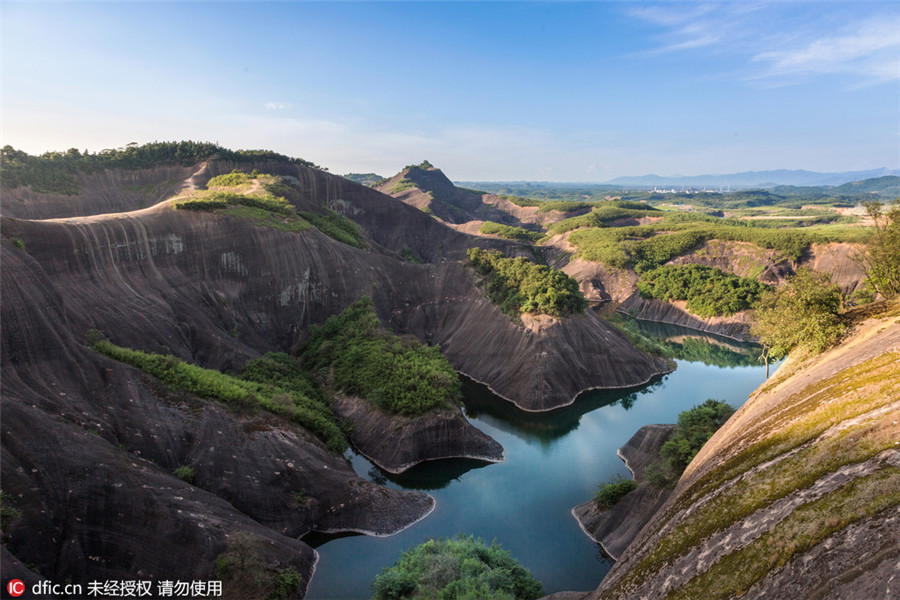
<point>402,186</point>
<point>310,412</point>
<point>695,427</point>
<point>804,313</point>
<point>456,569</point>
<point>398,374</point>
<point>17,242</point>
<point>520,286</point>
<point>8,511</point>
<point>233,179</point>
<point>509,233</point>
<point>708,291</point>
<point>185,473</point>
<point>337,227</point>
<point>611,492</point>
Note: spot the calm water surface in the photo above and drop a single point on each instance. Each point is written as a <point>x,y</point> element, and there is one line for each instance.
<point>553,462</point>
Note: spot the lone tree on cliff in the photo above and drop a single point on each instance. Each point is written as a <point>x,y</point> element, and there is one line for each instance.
<point>804,313</point>
<point>883,250</point>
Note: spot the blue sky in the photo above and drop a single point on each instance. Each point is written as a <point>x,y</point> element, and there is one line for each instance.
<point>559,91</point>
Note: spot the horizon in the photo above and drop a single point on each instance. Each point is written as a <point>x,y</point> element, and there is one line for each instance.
<point>582,92</point>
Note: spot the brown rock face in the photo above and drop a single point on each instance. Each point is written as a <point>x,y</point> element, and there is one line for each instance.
<point>397,443</point>
<point>89,445</point>
<point>797,495</point>
<point>616,528</point>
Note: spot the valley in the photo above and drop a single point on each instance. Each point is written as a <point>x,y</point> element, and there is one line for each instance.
<point>201,345</point>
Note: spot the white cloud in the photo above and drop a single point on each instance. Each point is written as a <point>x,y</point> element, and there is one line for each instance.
<point>276,106</point>
<point>870,50</point>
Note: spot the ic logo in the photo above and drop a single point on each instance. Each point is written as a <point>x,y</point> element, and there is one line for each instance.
<point>15,587</point>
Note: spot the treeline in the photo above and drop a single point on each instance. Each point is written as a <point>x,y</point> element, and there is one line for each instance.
<point>508,232</point>
<point>272,383</point>
<point>520,286</point>
<point>55,172</point>
<point>605,213</point>
<point>399,375</point>
<point>709,292</point>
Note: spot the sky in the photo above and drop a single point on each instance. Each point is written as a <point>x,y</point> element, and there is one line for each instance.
<point>487,91</point>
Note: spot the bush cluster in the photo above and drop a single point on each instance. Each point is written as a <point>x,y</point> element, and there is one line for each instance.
<point>611,492</point>
<point>310,412</point>
<point>216,200</point>
<point>456,569</point>
<point>520,286</point>
<point>695,427</point>
<point>509,233</point>
<point>233,179</point>
<point>709,292</point>
<point>398,374</point>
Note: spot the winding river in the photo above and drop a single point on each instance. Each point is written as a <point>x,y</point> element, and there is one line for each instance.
<point>553,462</point>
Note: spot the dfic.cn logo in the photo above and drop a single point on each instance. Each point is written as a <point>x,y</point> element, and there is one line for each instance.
<point>15,587</point>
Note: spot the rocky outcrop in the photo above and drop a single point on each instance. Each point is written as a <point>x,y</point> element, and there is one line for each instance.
<point>89,445</point>
<point>797,494</point>
<point>616,528</point>
<point>736,327</point>
<point>396,443</point>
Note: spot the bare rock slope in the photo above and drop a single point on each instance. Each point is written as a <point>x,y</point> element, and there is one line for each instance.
<point>89,446</point>
<point>795,496</point>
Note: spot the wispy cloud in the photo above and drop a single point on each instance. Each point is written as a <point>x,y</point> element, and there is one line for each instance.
<point>780,43</point>
<point>870,50</point>
<point>277,106</point>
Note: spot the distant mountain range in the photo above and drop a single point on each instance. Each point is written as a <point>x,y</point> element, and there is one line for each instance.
<point>753,179</point>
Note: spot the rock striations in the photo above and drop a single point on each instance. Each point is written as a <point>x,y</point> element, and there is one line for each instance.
<point>90,445</point>
<point>796,496</point>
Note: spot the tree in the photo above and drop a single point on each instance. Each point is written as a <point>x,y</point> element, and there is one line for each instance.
<point>804,313</point>
<point>883,251</point>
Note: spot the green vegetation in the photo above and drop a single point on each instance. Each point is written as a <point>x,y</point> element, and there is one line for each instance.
<point>397,374</point>
<point>810,413</point>
<point>709,291</point>
<point>806,526</point>
<point>245,574</point>
<point>8,511</point>
<point>234,179</point>
<point>184,473</point>
<point>805,314</point>
<point>410,256</point>
<point>611,492</point>
<point>695,427</point>
<point>461,568</point>
<point>217,200</point>
<point>520,286</point>
<point>17,242</point>
<point>422,165</point>
<point>367,179</point>
<point>403,185</point>
<point>643,342</point>
<point>309,412</point>
<point>336,226</point>
<point>883,251</point>
<point>56,172</point>
<point>509,233</point>
<point>603,214</point>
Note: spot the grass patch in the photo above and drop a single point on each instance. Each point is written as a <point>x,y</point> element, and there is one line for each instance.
<point>402,186</point>
<point>337,227</point>
<point>397,374</point>
<point>311,413</point>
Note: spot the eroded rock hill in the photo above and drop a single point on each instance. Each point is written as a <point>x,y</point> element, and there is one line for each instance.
<point>795,496</point>
<point>90,445</point>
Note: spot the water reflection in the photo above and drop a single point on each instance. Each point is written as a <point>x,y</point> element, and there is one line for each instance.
<point>545,427</point>
<point>697,346</point>
<point>434,474</point>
